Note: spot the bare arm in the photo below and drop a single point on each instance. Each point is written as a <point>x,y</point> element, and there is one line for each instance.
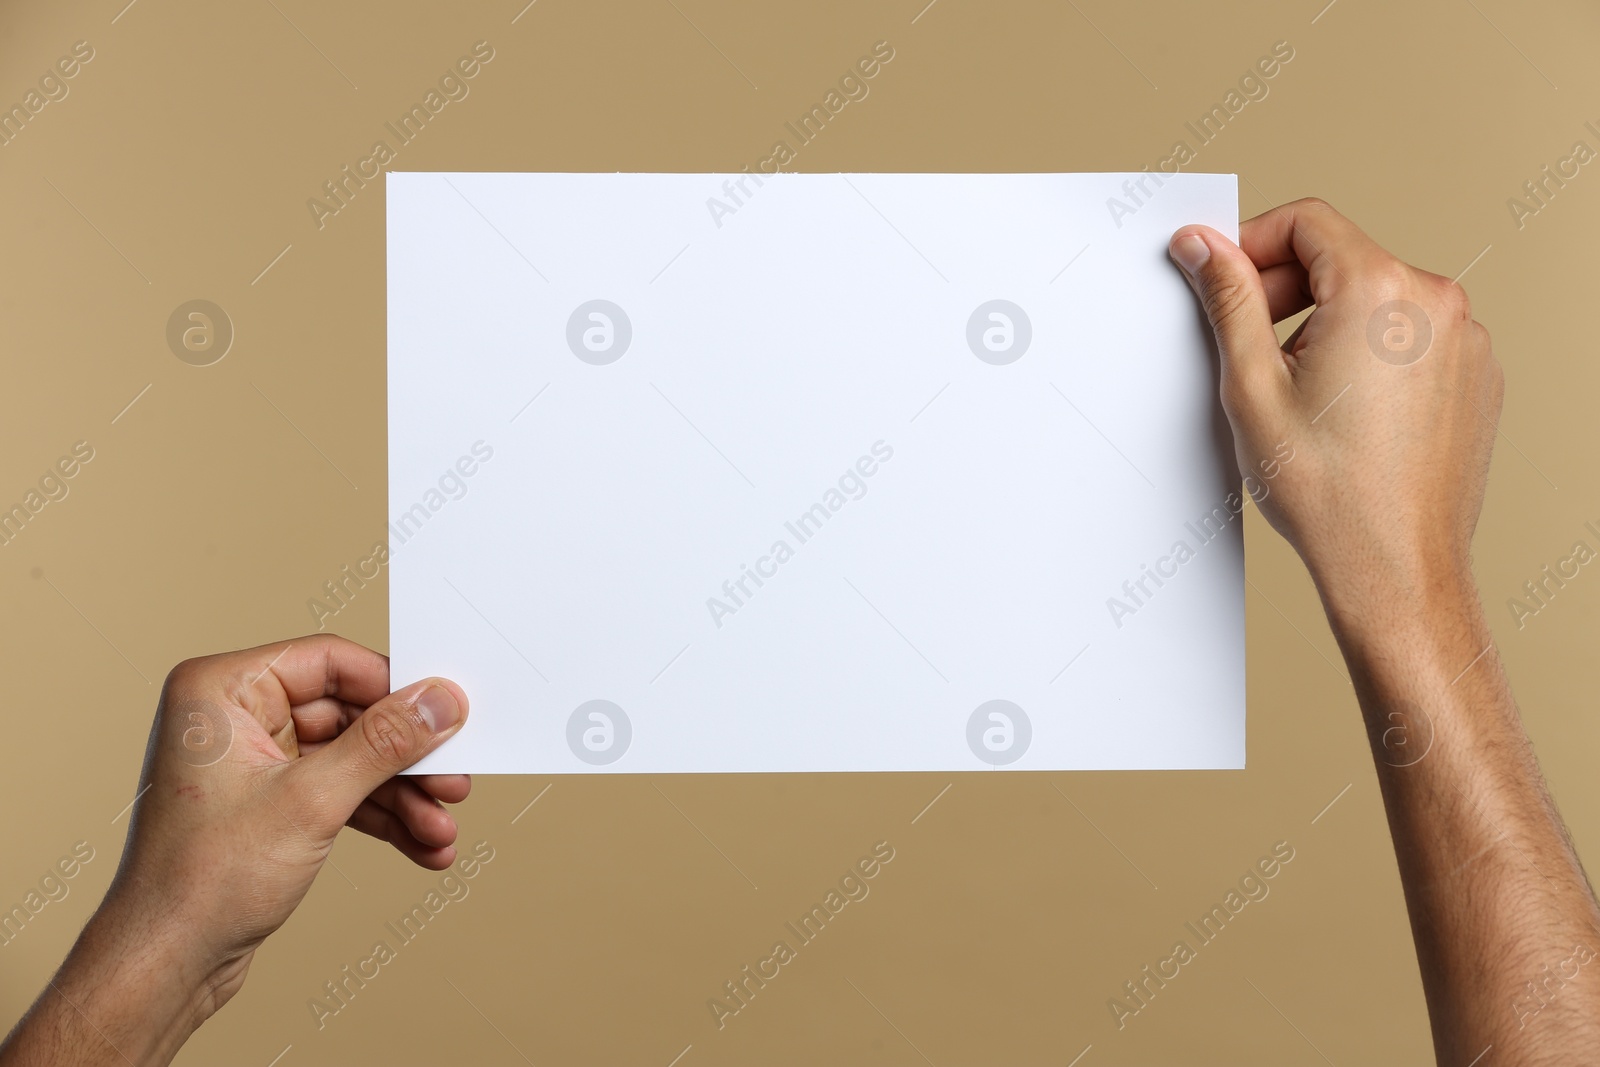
<point>1504,921</point>
<point>1389,395</point>
<point>256,760</point>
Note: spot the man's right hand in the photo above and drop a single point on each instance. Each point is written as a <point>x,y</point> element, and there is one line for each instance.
<point>1386,397</point>
<point>1384,403</point>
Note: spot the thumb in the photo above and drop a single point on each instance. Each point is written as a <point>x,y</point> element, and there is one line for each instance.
<point>386,739</point>
<point>1235,302</point>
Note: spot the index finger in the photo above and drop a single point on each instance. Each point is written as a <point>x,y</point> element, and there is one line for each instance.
<point>1332,249</point>
<point>305,669</point>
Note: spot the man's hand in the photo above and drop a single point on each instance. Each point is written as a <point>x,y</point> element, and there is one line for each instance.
<point>255,762</point>
<point>1388,396</point>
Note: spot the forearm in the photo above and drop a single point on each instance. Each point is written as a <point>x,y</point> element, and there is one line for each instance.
<point>222,850</point>
<point>124,996</point>
<point>1506,927</point>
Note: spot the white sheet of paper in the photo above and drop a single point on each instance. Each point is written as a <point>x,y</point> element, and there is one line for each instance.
<point>870,472</point>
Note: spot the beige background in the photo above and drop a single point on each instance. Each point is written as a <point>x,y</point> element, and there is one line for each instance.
<point>179,166</point>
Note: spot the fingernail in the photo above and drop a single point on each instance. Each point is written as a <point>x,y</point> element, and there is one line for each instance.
<point>1191,252</point>
<point>439,708</point>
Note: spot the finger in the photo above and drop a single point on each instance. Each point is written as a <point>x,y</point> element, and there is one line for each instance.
<point>324,718</point>
<point>448,788</point>
<point>445,788</point>
<point>385,740</point>
<point>270,679</point>
<point>1329,246</point>
<point>1235,302</point>
<point>287,741</point>
<point>424,816</point>
<point>383,824</point>
<point>327,665</point>
<point>1288,289</point>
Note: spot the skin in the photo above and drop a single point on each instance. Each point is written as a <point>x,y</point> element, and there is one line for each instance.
<point>256,760</point>
<point>1390,444</point>
<point>1381,501</point>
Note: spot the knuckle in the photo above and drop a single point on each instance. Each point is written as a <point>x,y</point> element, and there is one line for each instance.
<point>392,734</point>
<point>181,672</point>
<point>1226,303</point>
<point>185,675</point>
<point>1235,395</point>
<point>1453,299</point>
<point>1389,279</point>
<point>324,642</point>
<point>1314,203</point>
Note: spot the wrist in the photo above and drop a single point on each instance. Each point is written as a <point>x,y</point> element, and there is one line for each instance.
<point>135,984</point>
<point>1426,617</point>
<point>1360,589</point>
